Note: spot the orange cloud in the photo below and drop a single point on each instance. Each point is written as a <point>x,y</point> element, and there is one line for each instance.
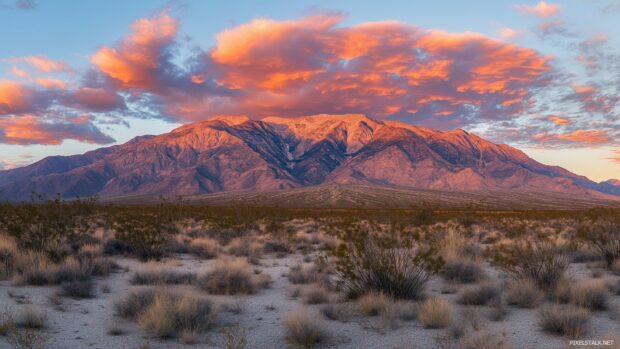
<point>589,137</point>
<point>558,120</point>
<point>542,9</point>
<point>135,62</point>
<point>380,68</point>
<point>42,63</point>
<point>31,129</point>
<point>14,97</point>
<point>51,83</point>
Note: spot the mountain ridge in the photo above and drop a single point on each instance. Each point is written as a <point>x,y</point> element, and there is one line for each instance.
<point>233,153</point>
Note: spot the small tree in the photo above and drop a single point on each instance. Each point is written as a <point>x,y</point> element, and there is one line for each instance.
<point>604,236</point>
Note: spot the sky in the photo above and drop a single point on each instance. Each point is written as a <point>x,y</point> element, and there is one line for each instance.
<point>541,76</point>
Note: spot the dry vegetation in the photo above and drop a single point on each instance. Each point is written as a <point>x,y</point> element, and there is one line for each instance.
<point>366,267</point>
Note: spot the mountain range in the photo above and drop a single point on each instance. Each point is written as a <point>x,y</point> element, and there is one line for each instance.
<point>235,154</point>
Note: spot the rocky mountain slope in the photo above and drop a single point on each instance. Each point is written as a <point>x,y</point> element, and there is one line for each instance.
<point>235,153</point>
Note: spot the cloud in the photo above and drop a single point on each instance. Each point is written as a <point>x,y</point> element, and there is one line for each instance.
<point>541,9</point>
<point>509,33</point>
<point>589,137</point>
<point>558,120</point>
<point>25,4</point>
<point>615,156</point>
<point>16,98</point>
<point>42,63</point>
<point>31,129</point>
<point>138,59</point>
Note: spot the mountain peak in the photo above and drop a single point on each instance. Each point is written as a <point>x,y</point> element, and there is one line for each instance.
<point>232,153</point>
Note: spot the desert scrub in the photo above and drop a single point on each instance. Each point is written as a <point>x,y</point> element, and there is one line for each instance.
<point>604,237</point>
<point>394,262</point>
<point>228,277</point>
<point>523,294</point>
<point>462,270</point>
<point>164,313</point>
<point>568,321</point>
<point>206,248</point>
<point>590,294</point>
<point>302,274</point>
<point>540,261</point>
<point>435,313</point>
<point>303,329</point>
<point>479,294</point>
<point>154,276</point>
<point>373,303</point>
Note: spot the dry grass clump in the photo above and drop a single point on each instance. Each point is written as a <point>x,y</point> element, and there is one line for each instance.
<point>162,277</point>
<point>8,251</point>
<point>19,338</point>
<point>303,274</point>
<point>568,321</point>
<point>315,295</point>
<point>463,270</point>
<point>245,247</point>
<point>479,294</point>
<point>32,318</point>
<point>523,294</point>
<point>35,268</point>
<point>228,277</point>
<point>303,329</point>
<point>164,313</point>
<point>484,340</point>
<point>591,294</point>
<point>373,303</point>
<point>435,313</point>
<point>206,248</point>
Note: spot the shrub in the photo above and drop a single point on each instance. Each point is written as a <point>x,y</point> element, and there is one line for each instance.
<point>603,236</point>
<point>484,340</point>
<point>144,231</point>
<point>373,303</point>
<point>31,318</point>
<point>304,330</point>
<point>300,274</point>
<point>396,263</point>
<point>479,294</point>
<point>206,248</point>
<point>228,277</point>
<point>435,313</point>
<point>567,321</point>
<point>135,302</point>
<point>523,294</point>
<point>163,313</point>
<point>591,294</point>
<point>162,277</point>
<point>78,289</point>
<point>540,261</point>
<point>315,295</point>
<point>19,338</point>
<point>8,253</point>
<point>462,270</point>
<point>235,338</point>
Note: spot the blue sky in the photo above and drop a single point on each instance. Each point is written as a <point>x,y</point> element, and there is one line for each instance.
<point>579,33</point>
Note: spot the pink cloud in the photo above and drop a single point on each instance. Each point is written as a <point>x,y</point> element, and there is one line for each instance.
<point>31,129</point>
<point>510,33</point>
<point>541,9</point>
<point>42,63</point>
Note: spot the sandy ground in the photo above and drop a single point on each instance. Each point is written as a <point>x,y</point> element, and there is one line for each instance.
<point>84,323</point>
